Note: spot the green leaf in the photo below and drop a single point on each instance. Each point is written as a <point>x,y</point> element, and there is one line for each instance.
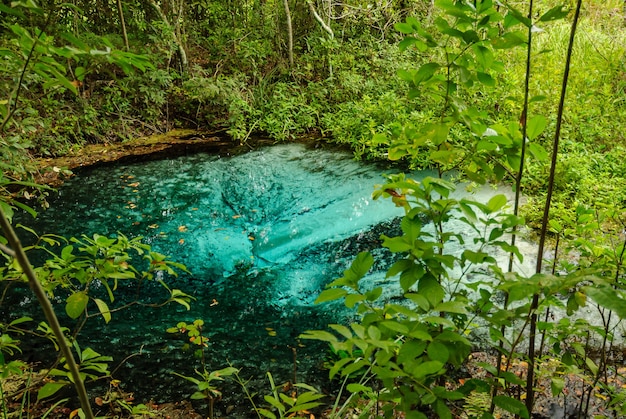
<point>608,298</point>
<point>267,413</point>
<point>427,368</point>
<point>557,385</point>
<point>319,335</point>
<point>361,265</point>
<point>404,28</point>
<point>104,310</point>
<point>486,79</point>
<point>535,126</point>
<point>359,388</point>
<point>497,202</point>
<point>76,304</point>
<point>50,389</point>
<point>330,295</point>
<point>538,151</point>
<point>438,351</point>
<point>556,13</point>
<point>456,307</point>
<point>511,405</point>
<point>432,290</point>
<point>425,72</point>
<point>519,16</point>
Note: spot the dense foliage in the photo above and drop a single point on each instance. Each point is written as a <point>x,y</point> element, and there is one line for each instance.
<point>449,85</point>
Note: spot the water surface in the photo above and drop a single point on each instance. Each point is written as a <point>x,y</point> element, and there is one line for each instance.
<point>261,233</point>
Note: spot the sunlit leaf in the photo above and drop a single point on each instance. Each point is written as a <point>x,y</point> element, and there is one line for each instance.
<point>76,304</point>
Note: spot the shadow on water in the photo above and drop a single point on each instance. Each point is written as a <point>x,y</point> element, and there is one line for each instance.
<point>261,233</point>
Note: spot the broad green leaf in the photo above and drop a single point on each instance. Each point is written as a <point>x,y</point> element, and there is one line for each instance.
<point>20,320</point>
<point>395,326</point>
<point>404,28</point>
<point>537,98</point>
<point>535,126</point>
<point>497,202</point>
<point>49,389</point>
<point>411,350</point>
<point>330,295</point>
<point>427,368</point>
<point>556,385</point>
<point>267,413</point>
<point>456,307</point>
<point>438,351</point>
<point>76,304</point>
<point>338,366</point>
<point>359,388</point>
<point>409,41</point>
<point>432,290</point>
<point>608,298</point>
<point>519,16</point>
<point>319,335</point>
<point>510,40</point>
<point>361,265</point>
<point>486,79</point>
<point>104,310</point>
<point>538,152</point>
<point>342,330</point>
<point>425,72</point>
<point>352,299</point>
<point>556,13</point>
<point>511,405</point>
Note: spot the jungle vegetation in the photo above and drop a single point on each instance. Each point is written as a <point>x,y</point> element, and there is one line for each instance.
<point>531,95</point>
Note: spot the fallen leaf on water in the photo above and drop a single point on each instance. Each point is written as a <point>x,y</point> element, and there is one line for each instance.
<point>134,184</point>
<point>153,226</point>
<point>181,241</point>
<point>194,209</point>
<point>214,303</point>
<point>182,229</point>
<point>251,238</point>
<point>135,190</point>
<point>136,223</point>
<point>236,216</point>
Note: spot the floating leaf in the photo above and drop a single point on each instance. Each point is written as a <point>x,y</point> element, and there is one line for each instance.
<point>182,229</point>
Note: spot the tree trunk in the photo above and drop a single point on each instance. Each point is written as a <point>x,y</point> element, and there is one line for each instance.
<point>289,32</point>
<point>182,55</point>
<point>120,11</point>
<point>327,28</point>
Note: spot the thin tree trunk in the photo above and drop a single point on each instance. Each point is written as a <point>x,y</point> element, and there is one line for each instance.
<point>181,50</point>
<point>327,28</point>
<point>120,11</point>
<point>289,32</point>
<point>530,381</point>
<point>17,251</point>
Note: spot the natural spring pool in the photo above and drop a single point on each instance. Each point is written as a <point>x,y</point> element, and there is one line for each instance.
<point>262,233</point>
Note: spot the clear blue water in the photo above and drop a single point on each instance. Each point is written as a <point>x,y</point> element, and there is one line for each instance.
<point>262,234</point>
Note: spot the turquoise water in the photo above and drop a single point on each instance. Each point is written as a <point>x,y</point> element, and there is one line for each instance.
<point>261,233</point>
